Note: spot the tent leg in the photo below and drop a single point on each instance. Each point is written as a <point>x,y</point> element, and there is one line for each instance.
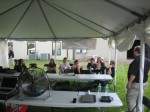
<point>114,88</point>
<point>140,98</point>
<point>4,54</point>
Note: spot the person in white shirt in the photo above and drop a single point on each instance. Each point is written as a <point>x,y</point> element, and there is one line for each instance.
<point>64,66</point>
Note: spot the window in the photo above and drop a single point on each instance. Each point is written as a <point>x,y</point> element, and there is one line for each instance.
<point>78,51</point>
<point>10,44</point>
<point>84,51</point>
<point>31,48</point>
<point>58,48</point>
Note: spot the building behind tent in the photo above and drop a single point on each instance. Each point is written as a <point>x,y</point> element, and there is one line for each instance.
<point>46,49</point>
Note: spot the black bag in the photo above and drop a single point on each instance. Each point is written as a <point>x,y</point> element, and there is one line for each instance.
<point>11,71</point>
<point>3,70</point>
<point>8,88</point>
<point>106,99</point>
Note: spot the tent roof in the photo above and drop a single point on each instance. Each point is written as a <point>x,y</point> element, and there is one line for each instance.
<point>65,19</point>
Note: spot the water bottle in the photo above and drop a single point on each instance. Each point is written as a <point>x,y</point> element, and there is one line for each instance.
<point>99,88</point>
<point>104,71</point>
<point>107,89</point>
<point>59,72</point>
<point>90,69</point>
<point>88,92</point>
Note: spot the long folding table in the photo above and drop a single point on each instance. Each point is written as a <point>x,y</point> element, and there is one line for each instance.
<point>80,77</point>
<point>64,99</point>
<point>77,77</point>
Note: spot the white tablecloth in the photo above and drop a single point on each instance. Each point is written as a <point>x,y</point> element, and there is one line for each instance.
<point>64,99</point>
<point>79,77</point>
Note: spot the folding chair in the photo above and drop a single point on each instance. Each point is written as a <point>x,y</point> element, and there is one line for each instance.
<point>85,72</point>
<point>96,71</point>
<point>33,65</point>
<point>90,72</point>
<point>146,102</point>
<point>71,64</point>
<point>45,67</point>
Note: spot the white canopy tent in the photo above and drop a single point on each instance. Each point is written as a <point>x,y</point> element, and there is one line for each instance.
<point>119,21</point>
<point>65,19</point>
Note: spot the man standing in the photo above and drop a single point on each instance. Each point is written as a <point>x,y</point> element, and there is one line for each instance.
<point>11,56</point>
<point>133,79</point>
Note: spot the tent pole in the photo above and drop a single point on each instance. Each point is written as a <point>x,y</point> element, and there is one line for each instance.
<point>4,53</point>
<point>55,53</point>
<point>109,55</point>
<point>140,98</point>
<point>116,56</point>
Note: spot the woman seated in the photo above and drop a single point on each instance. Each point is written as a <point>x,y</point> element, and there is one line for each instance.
<point>92,65</point>
<point>76,67</point>
<point>101,65</point>
<point>51,66</point>
<point>111,69</point>
<point>20,66</point>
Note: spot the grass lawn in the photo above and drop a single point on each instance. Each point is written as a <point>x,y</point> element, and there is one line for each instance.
<point>120,90</point>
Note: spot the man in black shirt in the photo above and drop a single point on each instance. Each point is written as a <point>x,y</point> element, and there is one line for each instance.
<point>91,65</point>
<point>133,79</point>
<point>11,56</point>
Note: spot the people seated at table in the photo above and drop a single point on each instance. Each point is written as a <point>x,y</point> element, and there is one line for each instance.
<point>101,65</point>
<point>51,66</point>
<point>92,65</point>
<point>98,63</point>
<point>20,65</point>
<point>64,66</point>
<point>105,70</point>
<point>76,67</point>
<point>111,69</point>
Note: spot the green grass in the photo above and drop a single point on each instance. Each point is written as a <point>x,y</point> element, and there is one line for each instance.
<point>120,90</point>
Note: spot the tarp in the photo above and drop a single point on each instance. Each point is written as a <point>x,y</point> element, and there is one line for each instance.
<point>73,19</point>
<point>89,44</point>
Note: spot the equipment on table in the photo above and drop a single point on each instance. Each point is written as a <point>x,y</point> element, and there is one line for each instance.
<point>88,98</point>
<point>34,82</point>
<point>8,87</point>
<point>106,99</point>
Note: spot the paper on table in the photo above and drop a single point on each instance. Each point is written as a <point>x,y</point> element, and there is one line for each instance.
<point>80,93</point>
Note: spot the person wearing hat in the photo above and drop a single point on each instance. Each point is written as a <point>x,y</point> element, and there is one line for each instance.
<point>64,65</point>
